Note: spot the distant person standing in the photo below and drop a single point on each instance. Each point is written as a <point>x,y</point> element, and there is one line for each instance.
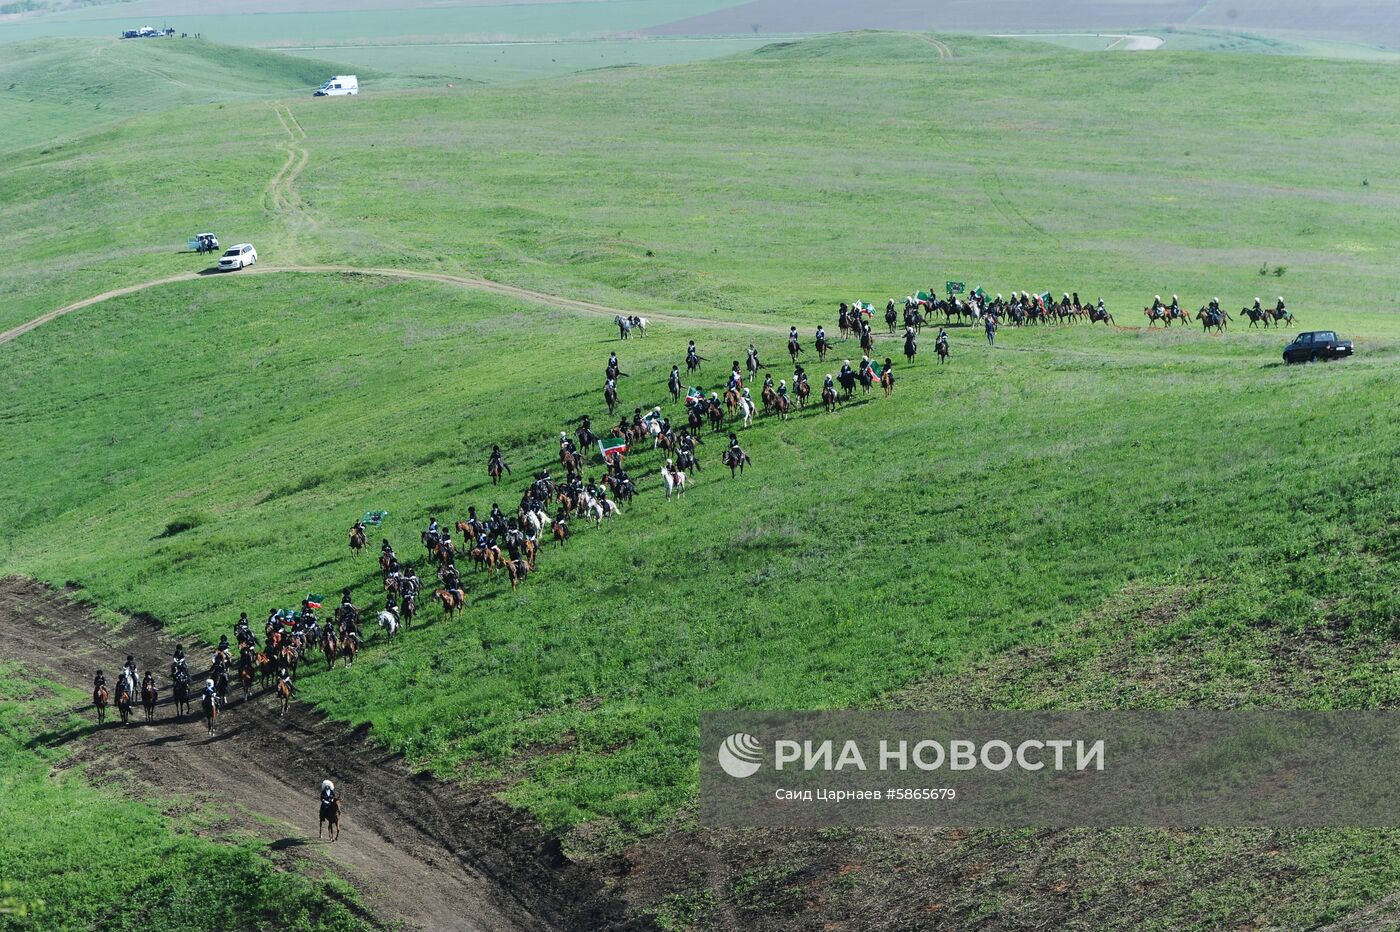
<point>990,323</point>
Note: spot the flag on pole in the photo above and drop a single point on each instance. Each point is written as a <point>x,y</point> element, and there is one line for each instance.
<point>696,393</point>
<point>611,447</point>
<point>874,368</point>
<point>313,600</point>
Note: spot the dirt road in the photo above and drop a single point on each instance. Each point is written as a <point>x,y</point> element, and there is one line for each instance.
<point>460,281</point>
<point>421,852</point>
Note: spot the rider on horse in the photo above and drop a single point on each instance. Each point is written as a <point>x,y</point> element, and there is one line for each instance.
<point>179,664</point>
<point>129,672</point>
<point>782,388</point>
<point>496,460</point>
<point>210,694</point>
<point>1279,309</point>
<point>98,682</point>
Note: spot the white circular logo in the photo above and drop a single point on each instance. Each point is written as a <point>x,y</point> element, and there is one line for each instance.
<point>740,755</point>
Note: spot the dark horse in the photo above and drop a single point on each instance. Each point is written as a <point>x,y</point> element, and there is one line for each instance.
<point>330,819</point>
<point>99,702</point>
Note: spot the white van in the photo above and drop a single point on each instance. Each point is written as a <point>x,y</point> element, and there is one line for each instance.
<point>339,86</point>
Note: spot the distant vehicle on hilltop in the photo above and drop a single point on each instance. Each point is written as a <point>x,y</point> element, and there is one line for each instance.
<point>339,86</point>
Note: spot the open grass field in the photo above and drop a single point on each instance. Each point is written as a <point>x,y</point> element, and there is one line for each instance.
<point>1080,517</point>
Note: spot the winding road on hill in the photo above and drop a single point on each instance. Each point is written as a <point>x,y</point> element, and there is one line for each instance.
<point>421,853</point>
<point>462,281</point>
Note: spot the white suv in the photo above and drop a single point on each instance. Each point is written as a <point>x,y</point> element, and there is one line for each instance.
<point>238,257</point>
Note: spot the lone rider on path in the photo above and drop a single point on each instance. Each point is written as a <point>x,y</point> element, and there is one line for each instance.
<point>179,664</point>
<point>497,459</point>
<point>98,682</point>
<point>210,695</point>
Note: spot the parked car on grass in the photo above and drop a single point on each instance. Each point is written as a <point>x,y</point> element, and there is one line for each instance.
<point>1315,345</point>
<point>238,257</point>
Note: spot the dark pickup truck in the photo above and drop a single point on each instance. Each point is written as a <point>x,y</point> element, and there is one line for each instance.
<point>1314,345</point>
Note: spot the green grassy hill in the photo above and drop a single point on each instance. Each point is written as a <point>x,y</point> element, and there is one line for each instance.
<point>1074,488</point>
<point>52,89</point>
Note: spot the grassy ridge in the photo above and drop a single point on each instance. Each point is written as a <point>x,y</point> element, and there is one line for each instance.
<point>73,856</point>
<point>987,505</point>
<point>55,88</point>
<point>877,556</point>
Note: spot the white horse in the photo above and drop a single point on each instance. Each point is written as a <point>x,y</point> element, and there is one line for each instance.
<point>389,621</point>
<point>675,481</point>
<point>624,326</point>
<point>533,523</point>
<point>640,323</point>
<point>746,410</point>
<point>600,510</point>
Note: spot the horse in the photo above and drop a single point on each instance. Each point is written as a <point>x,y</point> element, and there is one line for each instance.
<point>210,706</point>
<point>752,365</point>
<point>99,702</point>
<point>803,391</point>
<point>560,531</point>
<point>731,401</point>
<point>829,399</point>
<point>911,346</point>
<point>517,570</point>
<point>794,349</point>
<point>330,820</point>
<point>408,608</point>
<point>1210,319</point>
<point>284,696</point>
<point>357,540</point>
<point>1155,315</point>
<point>349,647</point>
<point>887,381</point>
<point>1096,315</point>
<point>822,347</point>
<point>624,326</point>
<point>245,677</point>
<point>181,692</point>
<point>890,316</point>
<point>453,601</point>
<point>639,324</point>
<point>486,558</point>
<point>610,397</point>
<point>716,415</point>
<point>736,460</point>
<point>599,510</point>
<point>782,406</point>
<point>675,482</point>
<point>330,647</point>
<point>847,379</point>
<point>867,340</point>
<point>941,347</point>
<point>124,702</point>
<point>389,621</point>
<point>692,362</point>
<point>494,468</point>
<point>1257,317</point>
<point>1284,316</point>
<point>770,399</point>
<point>867,379</point>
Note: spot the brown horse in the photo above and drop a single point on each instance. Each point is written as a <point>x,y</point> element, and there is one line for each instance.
<point>486,558</point>
<point>829,399</point>
<point>495,469</point>
<point>453,601</point>
<point>330,820</point>
<point>124,703</point>
<point>804,391</point>
<point>181,692</point>
<point>782,406</point>
<point>266,667</point>
<point>357,540</point>
<point>148,701</point>
<point>731,402</point>
<point>384,564</point>
<point>348,649</point>
<point>794,349</point>
<point>736,462</point>
<point>245,677</point>
<point>887,381</point>
<point>99,702</point>
<point>284,693</point>
<point>561,533</point>
<point>518,570</point>
<point>770,399</point>
<point>610,397</point>
<point>330,647</point>
<point>1155,314</point>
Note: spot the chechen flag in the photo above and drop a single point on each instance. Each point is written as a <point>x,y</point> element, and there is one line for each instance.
<point>695,394</point>
<point>612,446</point>
<point>874,368</point>
<point>313,600</point>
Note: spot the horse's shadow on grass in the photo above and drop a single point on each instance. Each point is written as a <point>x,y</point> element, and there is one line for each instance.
<point>210,271</point>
